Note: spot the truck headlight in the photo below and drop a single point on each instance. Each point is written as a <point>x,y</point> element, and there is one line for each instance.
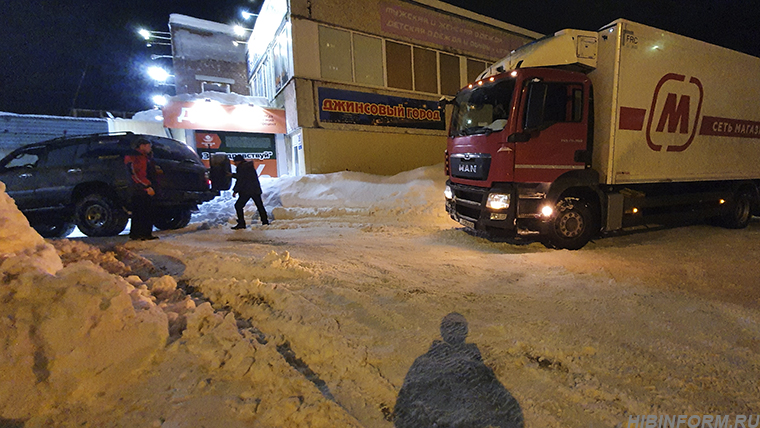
<point>498,201</point>
<point>448,193</point>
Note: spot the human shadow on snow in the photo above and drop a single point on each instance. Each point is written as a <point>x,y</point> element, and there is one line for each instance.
<point>450,386</point>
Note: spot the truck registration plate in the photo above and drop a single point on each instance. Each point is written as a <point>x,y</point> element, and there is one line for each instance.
<point>467,223</point>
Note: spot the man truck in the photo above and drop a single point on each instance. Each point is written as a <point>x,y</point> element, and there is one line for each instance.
<point>583,133</point>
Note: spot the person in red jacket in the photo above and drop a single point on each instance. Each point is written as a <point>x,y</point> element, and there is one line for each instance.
<point>142,170</point>
<point>248,186</point>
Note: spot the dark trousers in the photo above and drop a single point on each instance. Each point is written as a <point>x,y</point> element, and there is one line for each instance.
<point>142,215</point>
<point>240,204</point>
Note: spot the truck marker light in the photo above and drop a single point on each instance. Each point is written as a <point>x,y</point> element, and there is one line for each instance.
<point>635,210</point>
<point>480,83</point>
<point>513,74</point>
<point>491,79</point>
<point>469,86</point>
<point>721,201</point>
<point>547,211</point>
<point>448,193</point>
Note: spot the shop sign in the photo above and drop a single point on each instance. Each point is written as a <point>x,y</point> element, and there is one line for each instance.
<point>361,108</point>
<point>430,27</point>
<point>211,114</point>
<point>257,148</point>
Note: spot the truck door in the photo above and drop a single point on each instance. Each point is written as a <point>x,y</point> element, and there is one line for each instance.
<point>554,118</point>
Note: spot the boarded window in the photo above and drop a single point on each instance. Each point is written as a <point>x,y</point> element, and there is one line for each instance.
<point>425,71</point>
<point>399,65</point>
<point>474,68</point>
<point>450,80</point>
<point>335,54</point>
<point>368,60</point>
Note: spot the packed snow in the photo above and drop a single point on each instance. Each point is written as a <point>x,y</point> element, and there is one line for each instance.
<point>341,311</point>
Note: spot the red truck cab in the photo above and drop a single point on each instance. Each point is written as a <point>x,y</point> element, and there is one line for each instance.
<point>517,140</point>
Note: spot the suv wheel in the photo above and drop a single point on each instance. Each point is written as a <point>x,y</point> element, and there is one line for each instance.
<point>99,215</point>
<point>174,219</point>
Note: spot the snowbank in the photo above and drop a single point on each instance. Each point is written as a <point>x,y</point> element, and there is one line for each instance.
<point>414,196</point>
<point>20,245</point>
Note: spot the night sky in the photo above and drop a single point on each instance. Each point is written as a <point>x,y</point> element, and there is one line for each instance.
<point>59,54</point>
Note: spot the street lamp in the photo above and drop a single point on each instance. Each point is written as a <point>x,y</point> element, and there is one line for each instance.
<point>158,74</point>
<point>160,100</point>
<point>247,15</point>
<point>155,37</point>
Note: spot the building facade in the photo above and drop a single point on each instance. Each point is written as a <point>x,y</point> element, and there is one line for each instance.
<point>360,81</point>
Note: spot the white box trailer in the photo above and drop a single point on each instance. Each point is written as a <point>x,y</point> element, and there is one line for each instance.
<point>586,132</point>
<point>671,108</point>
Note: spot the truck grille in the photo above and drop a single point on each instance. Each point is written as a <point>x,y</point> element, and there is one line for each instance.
<point>469,200</point>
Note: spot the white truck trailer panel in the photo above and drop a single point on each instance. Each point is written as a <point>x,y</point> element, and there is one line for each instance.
<point>671,108</point>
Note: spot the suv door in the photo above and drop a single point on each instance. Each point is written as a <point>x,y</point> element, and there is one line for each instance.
<point>58,174</point>
<point>19,173</point>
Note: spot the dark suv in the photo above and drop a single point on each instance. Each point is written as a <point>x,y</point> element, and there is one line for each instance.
<point>83,181</point>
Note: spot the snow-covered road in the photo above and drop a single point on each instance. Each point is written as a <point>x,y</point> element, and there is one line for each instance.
<point>316,319</point>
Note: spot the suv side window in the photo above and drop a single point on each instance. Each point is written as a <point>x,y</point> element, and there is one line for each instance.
<point>61,156</point>
<point>107,148</point>
<point>28,159</point>
<point>167,149</point>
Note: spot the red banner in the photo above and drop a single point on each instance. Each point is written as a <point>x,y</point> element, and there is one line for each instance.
<point>213,115</point>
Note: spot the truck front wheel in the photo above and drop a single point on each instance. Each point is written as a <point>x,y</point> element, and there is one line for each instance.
<point>573,225</point>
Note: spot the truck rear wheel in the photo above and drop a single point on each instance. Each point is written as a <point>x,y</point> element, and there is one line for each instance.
<point>574,224</point>
<point>739,211</point>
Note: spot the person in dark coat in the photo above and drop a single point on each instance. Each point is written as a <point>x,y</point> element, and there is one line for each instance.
<point>451,387</point>
<point>248,186</point>
<point>142,171</point>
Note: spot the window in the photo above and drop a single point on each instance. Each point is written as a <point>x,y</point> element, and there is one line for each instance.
<point>550,103</point>
<point>474,68</point>
<point>281,58</point>
<point>335,54</point>
<point>425,71</point>
<point>61,156</point>
<point>368,60</point>
<point>399,65</point>
<point>450,80</point>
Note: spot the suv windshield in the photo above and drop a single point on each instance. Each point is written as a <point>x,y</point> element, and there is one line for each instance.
<point>482,109</point>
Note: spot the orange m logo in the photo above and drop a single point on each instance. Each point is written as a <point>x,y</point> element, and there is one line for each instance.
<point>675,112</point>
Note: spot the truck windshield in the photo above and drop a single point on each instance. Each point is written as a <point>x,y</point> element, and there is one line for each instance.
<point>482,109</point>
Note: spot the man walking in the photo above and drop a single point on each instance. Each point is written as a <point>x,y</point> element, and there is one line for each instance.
<point>142,169</point>
<point>248,186</point>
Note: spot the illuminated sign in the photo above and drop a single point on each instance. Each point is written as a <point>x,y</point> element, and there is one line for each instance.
<point>259,148</point>
<point>362,108</point>
<point>203,114</point>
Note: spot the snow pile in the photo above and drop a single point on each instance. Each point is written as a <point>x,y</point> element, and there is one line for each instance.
<point>20,245</point>
<point>72,336</point>
<point>417,195</point>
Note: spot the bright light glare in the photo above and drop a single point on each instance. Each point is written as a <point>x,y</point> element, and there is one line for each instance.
<point>498,201</point>
<point>239,30</point>
<point>158,73</point>
<point>144,33</point>
<point>547,211</point>
<point>247,15</point>
<point>448,193</point>
<point>159,100</point>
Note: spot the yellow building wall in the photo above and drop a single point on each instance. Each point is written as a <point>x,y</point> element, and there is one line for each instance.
<point>330,150</point>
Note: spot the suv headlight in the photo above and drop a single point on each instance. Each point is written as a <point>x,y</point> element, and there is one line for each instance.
<point>448,193</point>
<point>498,201</point>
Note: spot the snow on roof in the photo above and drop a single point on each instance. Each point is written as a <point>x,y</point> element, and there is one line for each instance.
<point>200,24</point>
